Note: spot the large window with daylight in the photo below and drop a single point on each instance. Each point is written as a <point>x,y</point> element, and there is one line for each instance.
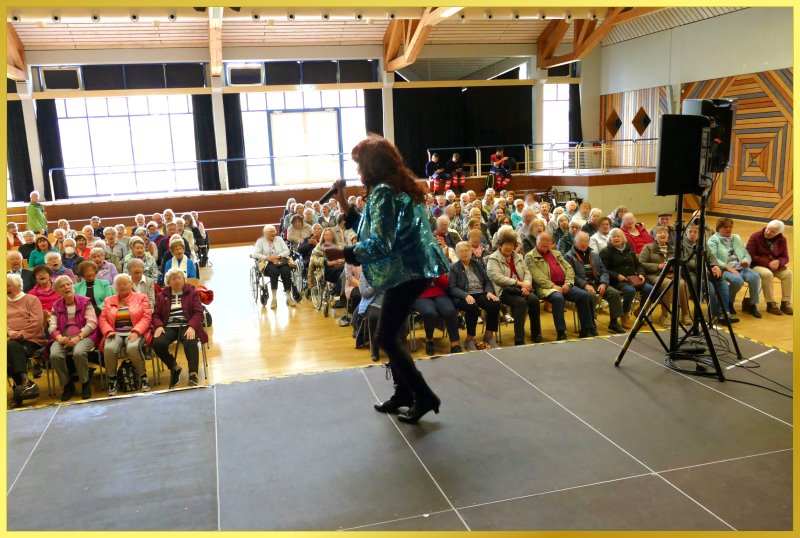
<point>127,145</point>
<point>301,137</point>
<point>555,132</point>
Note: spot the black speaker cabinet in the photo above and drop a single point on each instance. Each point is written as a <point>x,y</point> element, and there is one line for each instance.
<point>682,154</point>
<point>724,113</point>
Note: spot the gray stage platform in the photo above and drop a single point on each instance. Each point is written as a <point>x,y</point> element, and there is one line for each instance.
<point>539,437</point>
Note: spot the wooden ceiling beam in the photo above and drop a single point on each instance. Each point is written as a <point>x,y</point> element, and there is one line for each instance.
<point>411,34</point>
<point>215,40</point>
<point>16,68</point>
<point>550,39</point>
<point>588,35</point>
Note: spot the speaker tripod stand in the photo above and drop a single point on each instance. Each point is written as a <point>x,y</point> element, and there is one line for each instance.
<point>679,269</point>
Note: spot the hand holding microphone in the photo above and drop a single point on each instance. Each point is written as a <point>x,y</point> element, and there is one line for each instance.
<point>338,186</point>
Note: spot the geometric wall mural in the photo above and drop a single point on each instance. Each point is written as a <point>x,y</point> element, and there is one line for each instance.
<point>758,185</point>
<point>629,116</point>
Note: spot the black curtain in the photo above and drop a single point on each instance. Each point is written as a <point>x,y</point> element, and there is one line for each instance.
<point>373,111</point>
<point>575,128</point>
<point>449,117</point>
<point>426,118</point>
<point>234,134</point>
<point>205,143</point>
<point>19,162</point>
<point>50,146</point>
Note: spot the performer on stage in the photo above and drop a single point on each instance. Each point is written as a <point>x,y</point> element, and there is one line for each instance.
<point>399,256</point>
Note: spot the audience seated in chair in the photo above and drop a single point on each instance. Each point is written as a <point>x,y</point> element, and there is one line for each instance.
<point>137,250</point>
<point>179,260</point>
<point>592,276</point>
<point>140,283</point>
<point>513,284</point>
<point>622,263</point>
<point>178,314</point>
<point>653,258</point>
<point>730,253</point>
<point>43,290</point>
<point>24,336</point>
<point>105,270</point>
<point>433,305</point>
<point>717,303</point>
<point>599,240</point>
<point>125,326</point>
<point>72,329</point>
<point>472,290</point>
<point>43,246</point>
<point>635,233</point>
<point>28,245</point>
<point>271,250</point>
<point>97,290</point>
<point>770,256</point>
<point>554,282</point>
<point>14,267</point>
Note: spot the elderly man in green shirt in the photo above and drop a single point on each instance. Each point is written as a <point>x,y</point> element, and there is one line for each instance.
<point>37,220</point>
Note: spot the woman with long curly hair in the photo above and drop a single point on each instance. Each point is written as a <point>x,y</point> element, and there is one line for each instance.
<point>399,256</point>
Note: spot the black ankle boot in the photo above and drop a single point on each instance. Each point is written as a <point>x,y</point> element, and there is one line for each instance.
<point>420,407</point>
<point>393,404</point>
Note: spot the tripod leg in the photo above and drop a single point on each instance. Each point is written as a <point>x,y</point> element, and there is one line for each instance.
<point>725,315</point>
<point>707,335</point>
<point>643,313</point>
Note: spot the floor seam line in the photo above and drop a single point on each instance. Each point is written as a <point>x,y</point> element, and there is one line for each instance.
<point>32,450</point>
<point>560,490</point>
<point>598,432</point>
<point>398,519</point>
<point>216,458</point>
<point>389,418</point>
<point>771,452</point>
<point>691,378</point>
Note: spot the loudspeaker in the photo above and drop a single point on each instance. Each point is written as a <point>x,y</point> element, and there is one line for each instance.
<point>724,113</point>
<point>682,154</point>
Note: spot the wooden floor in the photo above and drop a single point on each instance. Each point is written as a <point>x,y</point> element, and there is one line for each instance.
<point>252,342</point>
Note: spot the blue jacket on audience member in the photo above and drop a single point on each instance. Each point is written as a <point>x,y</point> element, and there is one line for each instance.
<point>395,242</point>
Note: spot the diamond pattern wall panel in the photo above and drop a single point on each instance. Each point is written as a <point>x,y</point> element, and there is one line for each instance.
<point>638,112</point>
<point>758,185</point>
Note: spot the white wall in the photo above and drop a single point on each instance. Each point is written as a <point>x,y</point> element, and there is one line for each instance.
<point>590,96</point>
<point>746,41</point>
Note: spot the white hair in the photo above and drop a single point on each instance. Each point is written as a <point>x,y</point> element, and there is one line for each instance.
<point>777,224</point>
<point>14,279</point>
<point>443,218</point>
<point>628,214</point>
<point>171,273</point>
<point>135,239</point>
<point>269,227</point>
<point>595,211</point>
<point>99,250</point>
<point>616,231</point>
<point>109,229</point>
<point>59,280</point>
<point>123,276</point>
<point>13,254</point>
<point>135,261</point>
<point>50,255</point>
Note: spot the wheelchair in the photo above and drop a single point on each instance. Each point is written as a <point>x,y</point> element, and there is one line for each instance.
<point>323,296</point>
<point>259,283</point>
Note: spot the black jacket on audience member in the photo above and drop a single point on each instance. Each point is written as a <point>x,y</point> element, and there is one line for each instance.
<point>452,167</point>
<point>581,278</point>
<point>624,263</point>
<point>432,167</point>
<point>458,281</point>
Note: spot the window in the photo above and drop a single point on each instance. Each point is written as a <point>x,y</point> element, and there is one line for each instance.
<point>124,145</point>
<point>301,137</point>
<point>555,132</point>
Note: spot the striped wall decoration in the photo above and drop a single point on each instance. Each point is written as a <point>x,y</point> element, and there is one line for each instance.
<point>638,112</point>
<point>758,185</point>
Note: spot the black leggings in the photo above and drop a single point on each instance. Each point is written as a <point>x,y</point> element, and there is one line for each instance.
<point>18,352</point>
<point>395,309</point>
<point>274,271</point>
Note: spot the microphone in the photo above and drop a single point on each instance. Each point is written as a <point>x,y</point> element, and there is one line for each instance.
<point>338,184</point>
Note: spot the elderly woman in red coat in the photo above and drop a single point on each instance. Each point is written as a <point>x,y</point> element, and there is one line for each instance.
<point>178,314</point>
<point>770,256</point>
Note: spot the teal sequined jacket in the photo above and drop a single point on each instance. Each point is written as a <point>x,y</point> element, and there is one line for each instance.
<point>395,242</point>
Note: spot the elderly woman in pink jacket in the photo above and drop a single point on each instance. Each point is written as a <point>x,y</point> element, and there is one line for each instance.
<point>125,326</point>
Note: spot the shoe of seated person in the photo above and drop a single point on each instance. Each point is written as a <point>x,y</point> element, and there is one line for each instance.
<point>145,384</point>
<point>562,335</point>
<point>456,349</point>
<point>469,345</point>
<point>193,382</point>
<point>616,328</point>
<point>491,342</point>
<point>175,377</point>
<point>429,348</point>
<point>37,370</point>
<point>86,390</point>
<point>290,300</point>
<point>112,386</point>
<point>274,303</point>
<point>69,392</point>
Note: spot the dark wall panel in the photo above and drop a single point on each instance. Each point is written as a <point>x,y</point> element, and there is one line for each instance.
<point>185,75</point>
<point>281,73</point>
<point>103,77</point>
<point>145,76</point>
<point>319,72</point>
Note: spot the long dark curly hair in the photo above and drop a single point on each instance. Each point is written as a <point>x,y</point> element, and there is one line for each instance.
<point>379,161</point>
